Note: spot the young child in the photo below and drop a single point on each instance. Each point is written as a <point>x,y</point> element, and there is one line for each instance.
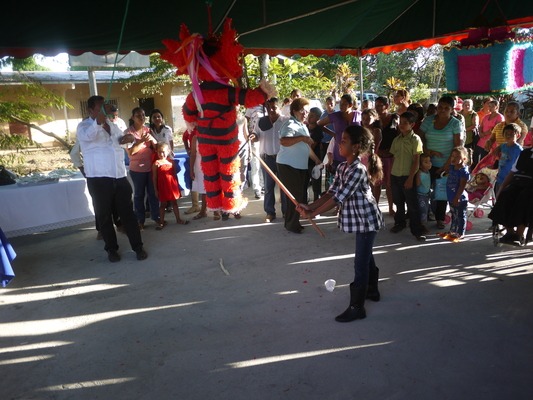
<point>406,148</point>
<point>423,187</point>
<point>359,212</point>
<point>477,188</point>
<point>506,153</point>
<point>166,184</point>
<point>458,176</point>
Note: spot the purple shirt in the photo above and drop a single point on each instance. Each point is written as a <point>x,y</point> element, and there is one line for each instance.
<point>339,125</point>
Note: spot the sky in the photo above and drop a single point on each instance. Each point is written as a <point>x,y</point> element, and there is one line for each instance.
<point>58,63</point>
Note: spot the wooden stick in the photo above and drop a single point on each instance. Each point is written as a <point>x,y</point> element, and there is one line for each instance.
<point>285,190</point>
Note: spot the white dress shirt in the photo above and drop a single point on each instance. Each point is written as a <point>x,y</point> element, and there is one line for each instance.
<point>102,154</point>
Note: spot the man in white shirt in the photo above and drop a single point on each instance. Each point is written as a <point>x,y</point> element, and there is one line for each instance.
<point>266,131</point>
<point>105,170</point>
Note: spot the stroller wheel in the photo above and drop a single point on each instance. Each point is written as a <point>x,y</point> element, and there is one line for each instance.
<point>469,225</point>
<point>478,213</point>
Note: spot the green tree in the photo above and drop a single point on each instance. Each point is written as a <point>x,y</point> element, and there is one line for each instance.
<point>22,64</point>
<point>156,76</point>
<point>31,98</point>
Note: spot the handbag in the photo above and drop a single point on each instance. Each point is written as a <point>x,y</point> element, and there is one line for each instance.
<point>439,191</point>
<point>6,177</point>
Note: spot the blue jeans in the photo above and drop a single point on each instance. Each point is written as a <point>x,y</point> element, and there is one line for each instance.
<point>269,201</point>
<point>142,187</point>
<point>459,218</point>
<point>423,205</point>
<point>364,258</point>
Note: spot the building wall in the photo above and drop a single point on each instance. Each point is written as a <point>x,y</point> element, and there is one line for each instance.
<point>65,121</point>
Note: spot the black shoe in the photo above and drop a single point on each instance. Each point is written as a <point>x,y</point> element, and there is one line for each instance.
<point>510,237</point>
<point>397,228</point>
<point>351,314</point>
<point>420,238</point>
<point>113,256</point>
<point>225,216</point>
<point>141,255</point>
<point>373,294</point>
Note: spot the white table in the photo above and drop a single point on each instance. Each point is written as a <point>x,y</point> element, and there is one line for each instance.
<point>29,209</point>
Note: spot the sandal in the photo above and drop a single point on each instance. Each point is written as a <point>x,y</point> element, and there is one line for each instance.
<point>159,227</point>
<point>199,216</point>
<point>182,221</point>
<point>216,216</point>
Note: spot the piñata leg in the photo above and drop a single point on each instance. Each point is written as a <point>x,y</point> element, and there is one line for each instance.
<point>230,181</point>
<point>210,168</point>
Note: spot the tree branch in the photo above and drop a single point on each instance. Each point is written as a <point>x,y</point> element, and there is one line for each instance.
<point>63,142</point>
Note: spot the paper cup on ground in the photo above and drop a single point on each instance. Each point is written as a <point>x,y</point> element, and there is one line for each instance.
<point>330,285</point>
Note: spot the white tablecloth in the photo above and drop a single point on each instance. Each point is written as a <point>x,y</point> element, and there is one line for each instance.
<point>30,209</point>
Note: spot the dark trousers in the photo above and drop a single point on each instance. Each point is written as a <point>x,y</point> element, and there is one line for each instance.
<point>269,201</point>
<point>438,206</point>
<point>295,180</point>
<point>110,193</point>
<point>116,220</point>
<point>364,263</point>
<point>477,156</point>
<point>402,197</point>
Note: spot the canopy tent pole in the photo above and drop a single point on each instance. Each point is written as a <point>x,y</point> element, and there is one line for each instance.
<point>361,83</point>
<point>321,10</point>
<point>93,90</point>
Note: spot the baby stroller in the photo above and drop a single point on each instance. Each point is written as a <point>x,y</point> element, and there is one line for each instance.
<point>481,194</point>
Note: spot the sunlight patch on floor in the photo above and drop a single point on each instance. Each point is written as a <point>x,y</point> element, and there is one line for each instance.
<point>86,384</point>
<point>55,325</point>
<point>296,356</point>
<point>55,294</point>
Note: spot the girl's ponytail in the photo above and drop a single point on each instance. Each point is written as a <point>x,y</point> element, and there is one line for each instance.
<point>375,166</point>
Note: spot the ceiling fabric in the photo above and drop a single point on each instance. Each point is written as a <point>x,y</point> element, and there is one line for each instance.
<point>320,27</point>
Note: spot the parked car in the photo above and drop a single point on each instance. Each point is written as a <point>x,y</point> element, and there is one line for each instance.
<point>367,96</point>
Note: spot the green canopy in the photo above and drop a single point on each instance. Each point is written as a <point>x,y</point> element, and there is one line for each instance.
<point>266,26</point>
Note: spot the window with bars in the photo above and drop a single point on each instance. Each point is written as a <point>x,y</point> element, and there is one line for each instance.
<point>85,111</point>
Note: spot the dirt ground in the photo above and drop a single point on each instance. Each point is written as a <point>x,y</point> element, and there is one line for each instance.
<point>41,160</point>
<point>47,159</point>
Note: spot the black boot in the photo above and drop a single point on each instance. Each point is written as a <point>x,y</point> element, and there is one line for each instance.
<point>356,310</point>
<point>373,293</point>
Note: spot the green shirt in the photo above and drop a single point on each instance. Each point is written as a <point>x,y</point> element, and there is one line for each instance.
<point>404,148</point>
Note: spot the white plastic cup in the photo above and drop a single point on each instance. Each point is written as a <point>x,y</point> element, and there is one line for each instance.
<point>330,285</point>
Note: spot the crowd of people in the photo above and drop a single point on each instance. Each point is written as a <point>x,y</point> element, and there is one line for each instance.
<point>340,157</point>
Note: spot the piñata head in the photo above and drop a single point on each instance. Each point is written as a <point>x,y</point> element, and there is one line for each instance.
<point>213,58</point>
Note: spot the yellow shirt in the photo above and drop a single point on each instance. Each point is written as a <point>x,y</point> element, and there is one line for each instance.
<point>497,131</point>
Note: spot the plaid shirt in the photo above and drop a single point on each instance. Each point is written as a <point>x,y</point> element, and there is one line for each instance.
<point>359,211</point>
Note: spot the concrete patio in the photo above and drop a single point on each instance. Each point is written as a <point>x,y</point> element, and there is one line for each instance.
<point>238,310</point>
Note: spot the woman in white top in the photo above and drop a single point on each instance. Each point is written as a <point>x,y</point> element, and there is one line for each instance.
<point>159,130</point>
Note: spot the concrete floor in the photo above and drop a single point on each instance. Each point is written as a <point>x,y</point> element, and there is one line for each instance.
<point>455,320</point>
